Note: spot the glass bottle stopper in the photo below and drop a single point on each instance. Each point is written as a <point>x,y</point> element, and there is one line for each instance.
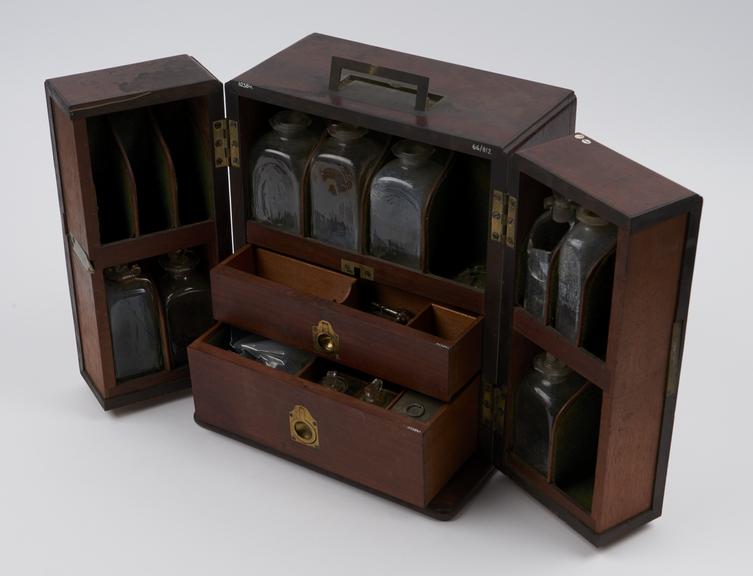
<point>289,122</point>
<point>373,392</point>
<point>343,132</point>
<point>412,153</point>
<point>590,218</point>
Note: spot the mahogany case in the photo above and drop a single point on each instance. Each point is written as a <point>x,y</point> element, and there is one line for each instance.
<point>511,143</point>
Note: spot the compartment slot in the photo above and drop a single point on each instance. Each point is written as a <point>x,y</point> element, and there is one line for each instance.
<point>114,183</point>
<point>442,322</point>
<point>294,274</point>
<point>185,127</point>
<point>171,366</point>
<point>318,369</point>
<point>575,444</point>
<point>156,185</point>
<point>435,288</point>
<point>592,330</point>
<point>368,294</point>
<point>569,461</point>
<point>457,218</point>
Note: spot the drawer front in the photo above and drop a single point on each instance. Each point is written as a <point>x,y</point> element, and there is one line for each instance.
<point>401,354</point>
<point>399,456</point>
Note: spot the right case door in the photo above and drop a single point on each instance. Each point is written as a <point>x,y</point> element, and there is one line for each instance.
<point>597,285</point>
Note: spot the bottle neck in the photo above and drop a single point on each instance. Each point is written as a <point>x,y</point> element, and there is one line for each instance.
<point>412,162</point>
<point>122,273</point>
<point>180,274</point>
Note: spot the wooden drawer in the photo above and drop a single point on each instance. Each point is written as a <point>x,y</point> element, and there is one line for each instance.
<point>287,299</point>
<point>388,452</point>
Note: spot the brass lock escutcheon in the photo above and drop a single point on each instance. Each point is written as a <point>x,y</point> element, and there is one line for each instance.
<point>326,341</point>
<point>303,427</point>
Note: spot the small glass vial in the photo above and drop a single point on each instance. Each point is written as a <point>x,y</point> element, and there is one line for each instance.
<point>540,397</point>
<point>133,306</point>
<point>546,233</point>
<point>339,172</point>
<point>336,381</point>
<point>584,247</point>
<point>278,166</point>
<point>375,393</point>
<point>473,276</point>
<point>398,197</point>
<point>186,300</point>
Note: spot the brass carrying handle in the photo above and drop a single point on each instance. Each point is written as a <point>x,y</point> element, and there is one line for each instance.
<point>420,82</point>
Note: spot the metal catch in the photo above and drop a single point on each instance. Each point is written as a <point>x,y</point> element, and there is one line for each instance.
<point>355,269</point>
<point>512,215</point>
<point>303,428</point>
<point>326,340</point>
<point>221,145</point>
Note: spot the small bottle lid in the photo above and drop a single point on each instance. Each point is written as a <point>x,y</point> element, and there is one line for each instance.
<point>289,122</point>
<point>334,380</point>
<point>551,367</point>
<point>343,132</point>
<point>179,262</point>
<point>591,218</point>
<point>373,393</point>
<point>122,272</point>
<point>412,153</point>
<point>562,209</point>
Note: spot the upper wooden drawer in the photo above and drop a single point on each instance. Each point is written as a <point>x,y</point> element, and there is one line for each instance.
<point>326,312</point>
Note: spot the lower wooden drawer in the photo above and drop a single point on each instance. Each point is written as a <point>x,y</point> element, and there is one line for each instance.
<point>386,451</point>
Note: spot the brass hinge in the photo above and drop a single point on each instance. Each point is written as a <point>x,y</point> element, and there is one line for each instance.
<point>498,216</point>
<point>226,146</point>
<point>493,407</point>
<point>355,269</point>
<point>235,150</point>
<point>512,218</point>
<point>503,217</point>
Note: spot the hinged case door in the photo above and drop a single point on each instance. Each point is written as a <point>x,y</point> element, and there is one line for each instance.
<point>627,349</point>
<point>137,178</point>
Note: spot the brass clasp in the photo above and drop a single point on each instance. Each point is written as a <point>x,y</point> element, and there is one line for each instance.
<point>326,341</point>
<point>303,427</point>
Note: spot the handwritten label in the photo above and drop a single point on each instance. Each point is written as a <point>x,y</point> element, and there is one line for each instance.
<point>245,85</point>
<point>482,148</point>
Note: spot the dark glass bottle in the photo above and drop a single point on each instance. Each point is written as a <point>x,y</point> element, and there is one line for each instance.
<point>187,302</point>
<point>473,276</point>
<point>133,307</point>
<point>278,166</point>
<point>584,247</point>
<point>339,173</point>
<point>540,397</point>
<point>545,235</point>
<point>398,195</point>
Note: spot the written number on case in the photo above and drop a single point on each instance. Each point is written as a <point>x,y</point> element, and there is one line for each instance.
<point>482,148</point>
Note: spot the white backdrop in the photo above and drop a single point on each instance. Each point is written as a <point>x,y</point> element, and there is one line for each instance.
<point>149,492</point>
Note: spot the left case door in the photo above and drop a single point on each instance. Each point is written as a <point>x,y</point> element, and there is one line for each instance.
<point>145,214</point>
